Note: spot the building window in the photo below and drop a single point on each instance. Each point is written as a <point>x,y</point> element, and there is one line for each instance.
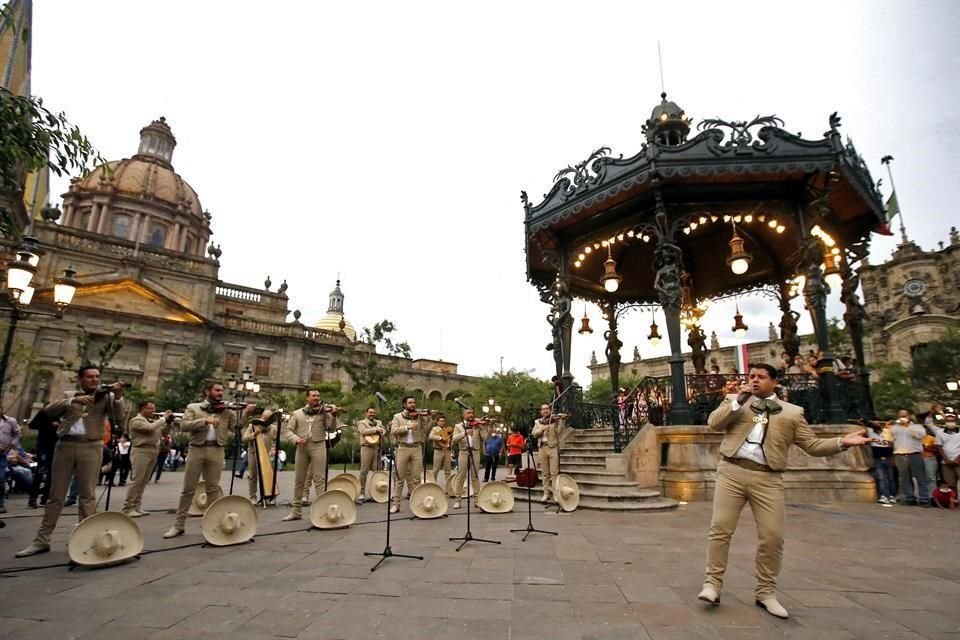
<point>263,367</point>
<point>917,349</point>
<point>158,235</point>
<point>231,363</point>
<point>84,219</point>
<point>316,372</point>
<point>121,226</point>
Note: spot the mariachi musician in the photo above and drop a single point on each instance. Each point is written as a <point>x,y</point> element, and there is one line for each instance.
<point>409,428</point>
<point>307,429</point>
<point>371,433</point>
<point>260,436</point>
<point>210,424</point>
<point>547,429</point>
<point>467,438</point>
<point>441,436</point>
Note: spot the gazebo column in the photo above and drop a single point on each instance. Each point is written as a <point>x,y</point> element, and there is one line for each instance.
<point>789,338</point>
<point>667,259</point>
<point>613,345</point>
<point>853,319</point>
<point>565,321</point>
<point>815,291</point>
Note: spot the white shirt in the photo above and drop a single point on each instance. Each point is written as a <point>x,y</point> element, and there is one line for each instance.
<point>751,449</point>
<point>77,428</point>
<point>949,441</point>
<point>124,447</point>
<point>409,439</point>
<point>211,433</point>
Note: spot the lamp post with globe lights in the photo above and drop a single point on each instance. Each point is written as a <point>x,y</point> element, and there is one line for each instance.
<point>19,293</point>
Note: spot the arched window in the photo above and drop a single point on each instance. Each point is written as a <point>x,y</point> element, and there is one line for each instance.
<point>121,226</point>
<point>158,235</point>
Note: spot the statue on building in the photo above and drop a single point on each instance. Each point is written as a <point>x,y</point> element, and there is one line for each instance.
<point>789,337</point>
<point>667,258</point>
<point>697,340</point>
<point>636,353</point>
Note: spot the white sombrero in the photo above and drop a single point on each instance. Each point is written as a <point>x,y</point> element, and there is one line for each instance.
<point>229,520</point>
<point>566,492</point>
<point>428,501</point>
<point>332,510</point>
<point>496,497</point>
<point>103,539</point>
<point>378,485</point>
<point>199,503</point>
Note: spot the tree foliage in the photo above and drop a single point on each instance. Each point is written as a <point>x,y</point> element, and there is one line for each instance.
<point>33,138</point>
<point>897,386</point>
<point>382,337</point>
<point>515,391</point>
<point>104,353</point>
<point>185,384</point>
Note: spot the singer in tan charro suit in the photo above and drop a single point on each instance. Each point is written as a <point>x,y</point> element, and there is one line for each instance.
<point>758,431</point>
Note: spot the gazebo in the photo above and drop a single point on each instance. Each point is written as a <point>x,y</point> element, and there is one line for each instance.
<point>741,206</point>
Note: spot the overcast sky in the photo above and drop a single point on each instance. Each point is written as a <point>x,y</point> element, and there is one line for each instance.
<point>388,142</point>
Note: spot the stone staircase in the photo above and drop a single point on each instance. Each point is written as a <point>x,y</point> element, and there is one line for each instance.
<point>583,455</point>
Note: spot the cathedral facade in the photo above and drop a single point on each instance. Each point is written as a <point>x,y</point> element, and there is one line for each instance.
<point>139,241</point>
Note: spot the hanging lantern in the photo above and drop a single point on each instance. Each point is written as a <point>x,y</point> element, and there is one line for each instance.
<point>585,324</point>
<point>739,329</point>
<point>654,336</point>
<point>739,259</point>
<point>831,270</point>
<point>611,279</point>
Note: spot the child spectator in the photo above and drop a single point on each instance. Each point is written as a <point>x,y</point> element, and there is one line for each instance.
<point>515,444</point>
<point>944,497</point>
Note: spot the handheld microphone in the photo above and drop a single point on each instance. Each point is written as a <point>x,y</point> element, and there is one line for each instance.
<point>461,404</point>
<point>381,397</point>
<point>743,397</point>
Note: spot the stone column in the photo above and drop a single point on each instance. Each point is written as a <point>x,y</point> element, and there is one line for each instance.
<point>102,222</point>
<point>667,261</point>
<point>789,338</point>
<point>853,319</point>
<point>613,346</point>
<point>94,217</point>
<point>137,222</point>
<point>175,241</point>
<point>815,292</point>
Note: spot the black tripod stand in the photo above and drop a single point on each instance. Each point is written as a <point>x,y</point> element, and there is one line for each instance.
<point>237,443</point>
<point>531,464</point>
<point>387,550</point>
<point>468,536</point>
<point>391,462</point>
<point>114,451</point>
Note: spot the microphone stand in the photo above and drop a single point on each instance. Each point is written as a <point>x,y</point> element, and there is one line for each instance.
<point>387,550</point>
<point>114,451</point>
<point>276,459</point>
<point>531,464</point>
<point>468,536</point>
<point>236,450</point>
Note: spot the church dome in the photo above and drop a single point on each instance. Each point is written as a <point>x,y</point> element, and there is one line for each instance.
<point>148,174</point>
<point>334,321</point>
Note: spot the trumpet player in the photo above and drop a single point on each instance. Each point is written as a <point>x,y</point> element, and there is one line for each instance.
<point>267,432</point>
<point>466,437</point>
<point>307,429</point>
<point>371,433</point>
<point>209,425</point>
<point>409,428</point>
<point>442,455</point>
<point>145,435</point>
<point>82,419</point>
<point>547,428</point>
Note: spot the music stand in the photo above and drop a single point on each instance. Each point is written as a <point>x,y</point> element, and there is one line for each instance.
<point>531,464</point>
<point>468,535</point>
<point>387,550</point>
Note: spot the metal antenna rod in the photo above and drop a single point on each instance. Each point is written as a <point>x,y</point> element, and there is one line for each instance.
<point>660,57</point>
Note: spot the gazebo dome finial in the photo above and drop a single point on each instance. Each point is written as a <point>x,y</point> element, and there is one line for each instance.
<point>668,125</point>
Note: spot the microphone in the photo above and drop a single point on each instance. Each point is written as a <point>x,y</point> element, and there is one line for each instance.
<point>461,404</point>
<point>381,397</point>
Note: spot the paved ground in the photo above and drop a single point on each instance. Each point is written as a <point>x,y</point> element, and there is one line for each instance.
<point>850,571</point>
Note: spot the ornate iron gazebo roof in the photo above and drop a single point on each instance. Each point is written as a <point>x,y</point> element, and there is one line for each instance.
<point>661,223</point>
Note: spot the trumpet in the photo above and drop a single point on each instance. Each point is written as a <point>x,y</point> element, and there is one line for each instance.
<point>173,417</point>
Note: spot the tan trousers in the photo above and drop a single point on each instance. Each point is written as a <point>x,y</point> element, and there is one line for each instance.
<point>549,467</point>
<point>441,462</point>
<point>143,459</point>
<point>735,488</point>
<point>409,470</point>
<point>368,463</point>
<point>461,478</point>
<point>71,458</point>
<point>311,457</point>
<point>201,461</point>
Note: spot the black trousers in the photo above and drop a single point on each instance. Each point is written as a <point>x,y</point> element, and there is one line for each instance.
<point>490,468</point>
<point>41,477</point>
<point>161,458</point>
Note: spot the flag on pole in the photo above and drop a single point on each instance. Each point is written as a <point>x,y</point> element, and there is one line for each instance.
<point>742,359</point>
<point>893,207</point>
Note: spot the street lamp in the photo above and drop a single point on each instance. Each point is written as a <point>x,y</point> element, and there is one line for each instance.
<point>244,386</point>
<point>20,292</point>
<point>953,385</point>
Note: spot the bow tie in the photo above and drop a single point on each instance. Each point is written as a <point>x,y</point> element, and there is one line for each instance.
<point>768,406</point>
